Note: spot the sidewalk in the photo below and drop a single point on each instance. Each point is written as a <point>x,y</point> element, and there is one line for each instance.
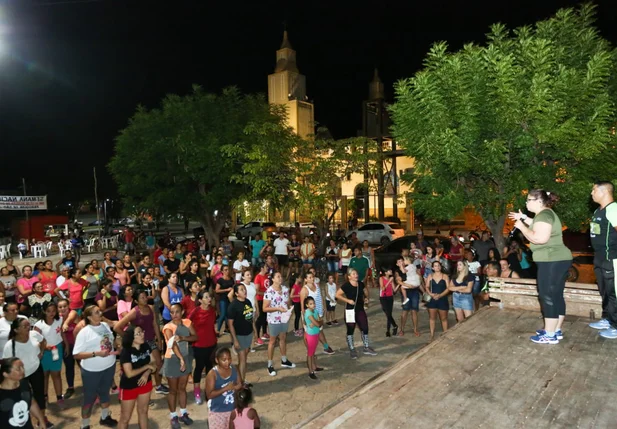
<point>290,397</point>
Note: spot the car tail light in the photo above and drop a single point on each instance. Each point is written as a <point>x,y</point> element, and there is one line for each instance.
<point>392,232</point>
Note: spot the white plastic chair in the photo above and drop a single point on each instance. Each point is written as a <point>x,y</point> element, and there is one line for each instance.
<point>3,252</point>
<point>37,251</point>
<point>90,244</point>
<point>8,250</point>
<point>61,248</point>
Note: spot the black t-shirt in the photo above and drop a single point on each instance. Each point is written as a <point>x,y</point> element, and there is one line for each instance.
<point>15,407</point>
<point>241,312</point>
<point>189,279</point>
<point>351,292</point>
<point>143,269</point>
<point>138,358</point>
<point>225,284</point>
<point>603,234</point>
<point>69,262</point>
<point>172,265</point>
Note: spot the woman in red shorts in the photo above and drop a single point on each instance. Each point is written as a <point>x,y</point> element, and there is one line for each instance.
<point>135,383</point>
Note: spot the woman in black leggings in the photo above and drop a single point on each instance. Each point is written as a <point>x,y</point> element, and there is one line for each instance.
<point>355,296</point>
<point>552,258</point>
<point>387,289</point>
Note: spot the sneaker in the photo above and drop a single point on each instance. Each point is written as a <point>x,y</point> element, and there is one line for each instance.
<point>317,369</point>
<point>109,422</point>
<point>600,324</point>
<point>114,390</point>
<point>252,350</point>
<point>335,322</point>
<point>353,354</point>
<point>259,342</point>
<point>69,392</point>
<point>328,351</point>
<point>329,323</point>
<point>175,423</point>
<point>610,333</point>
<point>558,333</point>
<point>297,333</point>
<point>162,389</point>
<point>394,331</point>
<point>198,399</point>
<point>406,301</point>
<point>544,339</point>
<point>388,334</point>
<point>312,376</point>
<point>369,351</point>
<point>265,336</point>
<point>49,425</point>
<point>271,371</point>
<point>288,364</point>
<point>186,419</point>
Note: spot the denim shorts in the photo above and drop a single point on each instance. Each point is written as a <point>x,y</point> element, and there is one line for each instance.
<point>463,301</point>
<point>414,300</point>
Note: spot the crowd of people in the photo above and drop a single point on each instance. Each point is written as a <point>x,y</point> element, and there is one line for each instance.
<point>170,315</point>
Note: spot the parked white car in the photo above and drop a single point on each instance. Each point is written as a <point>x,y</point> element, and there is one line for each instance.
<point>378,232</point>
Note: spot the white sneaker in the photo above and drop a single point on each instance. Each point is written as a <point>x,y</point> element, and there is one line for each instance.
<point>600,324</point>
<point>406,301</point>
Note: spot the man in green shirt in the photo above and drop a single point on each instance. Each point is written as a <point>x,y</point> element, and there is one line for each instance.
<point>360,264</point>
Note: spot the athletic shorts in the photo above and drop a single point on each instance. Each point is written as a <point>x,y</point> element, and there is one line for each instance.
<point>131,394</point>
<point>283,260</point>
<point>274,329</point>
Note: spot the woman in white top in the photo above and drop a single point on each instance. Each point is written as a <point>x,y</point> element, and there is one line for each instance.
<point>94,347</point>
<point>50,326</point>
<point>345,258</point>
<point>28,346</point>
<point>277,303</point>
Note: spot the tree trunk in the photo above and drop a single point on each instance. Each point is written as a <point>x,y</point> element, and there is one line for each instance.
<point>496,228</point>
<point>212,228</point>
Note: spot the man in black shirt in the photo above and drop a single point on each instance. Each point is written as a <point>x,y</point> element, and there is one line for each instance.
<point>171,264</point>
<point>143,268</point>
<point>603,234</point>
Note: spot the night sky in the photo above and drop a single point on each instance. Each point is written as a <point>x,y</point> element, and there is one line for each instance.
<point>73,71</point>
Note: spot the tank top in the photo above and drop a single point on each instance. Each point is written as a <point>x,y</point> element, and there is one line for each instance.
<point>438,287</point>
<point>225,402</point>
<point>174,297</point>
<point>242,420</point>
<point>145,322</point>
<point>463,283</point>
<point>367,255</point>
<point>345,257</point>
<point>68,334</point>
<point>316,295</point>
<point>387,291</point>
<point>130,268</point>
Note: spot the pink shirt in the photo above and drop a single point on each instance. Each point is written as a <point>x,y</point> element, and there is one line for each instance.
<point>27,285</point>
<point>387,291</point>
<point>76,300</point>
<point>242,421</point>
<point>296,288</point>
<point>123,307</point>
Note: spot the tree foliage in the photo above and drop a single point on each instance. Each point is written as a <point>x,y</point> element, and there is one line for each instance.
<point>177,159</point>
<point>533,108</point>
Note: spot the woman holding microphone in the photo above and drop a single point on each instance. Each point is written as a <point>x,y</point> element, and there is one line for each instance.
<point>552,258</point>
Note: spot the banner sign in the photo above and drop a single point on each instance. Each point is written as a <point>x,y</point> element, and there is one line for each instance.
<point>13,202</point>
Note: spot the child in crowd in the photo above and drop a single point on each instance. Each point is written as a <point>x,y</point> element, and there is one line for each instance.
<point>331,300</point>
<point>412,278</point>
<point>313,324</point>
<point>222,382</point>
<point>244,417</point>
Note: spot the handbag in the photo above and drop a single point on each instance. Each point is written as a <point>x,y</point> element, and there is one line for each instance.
<point>350,315</point>
<point>426,297</point>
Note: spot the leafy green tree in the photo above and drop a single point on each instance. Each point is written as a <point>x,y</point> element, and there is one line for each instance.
<point>532,108</point>
<point>175,159</point>
<point>310,176</point>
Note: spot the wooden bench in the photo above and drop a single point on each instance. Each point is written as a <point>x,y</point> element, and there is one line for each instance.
<point>581,298</point>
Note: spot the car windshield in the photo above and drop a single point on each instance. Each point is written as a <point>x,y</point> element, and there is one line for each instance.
<point>395,226</point>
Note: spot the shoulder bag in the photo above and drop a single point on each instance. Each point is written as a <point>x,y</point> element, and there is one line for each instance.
<point>350,315</point>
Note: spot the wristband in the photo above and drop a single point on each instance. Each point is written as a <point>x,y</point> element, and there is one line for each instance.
<point>523,217</point>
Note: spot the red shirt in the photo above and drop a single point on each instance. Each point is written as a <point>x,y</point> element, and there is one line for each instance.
<point>157,253</point>
<point>188,304</point>
<point>456,252</point>
<point>296,289</point>
<point>129,236</point>
<point>260,282</point>
<point>203,322</point>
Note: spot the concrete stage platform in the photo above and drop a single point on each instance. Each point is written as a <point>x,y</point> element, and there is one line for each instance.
<point>485,373</point>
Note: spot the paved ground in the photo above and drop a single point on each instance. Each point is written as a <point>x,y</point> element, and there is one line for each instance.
<point>486,373</point>
<point>291,397</point>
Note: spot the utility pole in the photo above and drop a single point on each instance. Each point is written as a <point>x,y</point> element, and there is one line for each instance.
<point>23,181</point>
<point>380,180</point>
